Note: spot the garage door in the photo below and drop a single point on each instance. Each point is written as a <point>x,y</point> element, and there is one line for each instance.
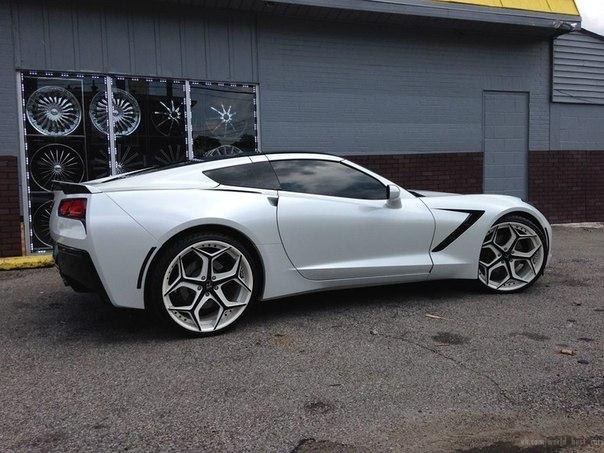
<point>505,143</point>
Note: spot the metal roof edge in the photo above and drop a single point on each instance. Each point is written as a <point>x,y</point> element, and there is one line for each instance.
<point>455,11</point>
<point>593,34</point>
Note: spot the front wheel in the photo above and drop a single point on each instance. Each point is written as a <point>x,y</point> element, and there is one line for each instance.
<point>512,256</point>
<point>203,283</point>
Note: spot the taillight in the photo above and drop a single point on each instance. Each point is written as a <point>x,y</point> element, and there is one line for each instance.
<point>73,208</point>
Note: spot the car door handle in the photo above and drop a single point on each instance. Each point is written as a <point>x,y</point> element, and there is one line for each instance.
<point>273,200</point>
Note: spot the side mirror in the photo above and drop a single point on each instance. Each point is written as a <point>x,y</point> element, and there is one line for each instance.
<point>394,193</point>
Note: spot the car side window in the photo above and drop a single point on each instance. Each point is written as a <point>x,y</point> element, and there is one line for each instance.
<point>324,177</point>
<point>258,175</point>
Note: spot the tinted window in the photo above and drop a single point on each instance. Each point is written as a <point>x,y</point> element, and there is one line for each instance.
<point>258,174</point>
<point>324,177</point>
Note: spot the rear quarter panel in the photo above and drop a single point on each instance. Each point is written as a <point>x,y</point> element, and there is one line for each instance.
<point>117,245</point>
<point>165,213</point>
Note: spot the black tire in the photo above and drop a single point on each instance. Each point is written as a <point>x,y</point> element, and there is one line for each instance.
<point>539,272</point>
<point>155,276</point>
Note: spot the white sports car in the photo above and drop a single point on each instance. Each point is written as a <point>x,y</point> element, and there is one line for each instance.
<point>200,241</point>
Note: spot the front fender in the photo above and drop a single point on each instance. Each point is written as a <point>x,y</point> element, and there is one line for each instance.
<point>459,259</point>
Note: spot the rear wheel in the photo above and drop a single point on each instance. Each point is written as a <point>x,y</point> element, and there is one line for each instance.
<point>512,256</point>
<point>203,283</point>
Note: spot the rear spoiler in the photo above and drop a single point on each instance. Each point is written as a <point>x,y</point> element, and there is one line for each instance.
<point>70,188</point>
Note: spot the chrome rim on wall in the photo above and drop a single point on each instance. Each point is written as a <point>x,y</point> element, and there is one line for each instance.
<point>41,223</point>
<point>53,111</point>
<point>168,117</point>
<point>207,286</point>
<point>126,112</point>
<point>511,256</point>
<point>56,162</point>
<point>224,151</point>
<point>126,159</point>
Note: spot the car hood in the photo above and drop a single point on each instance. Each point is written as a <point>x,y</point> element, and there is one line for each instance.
<point>430,193</point>
<point>468,198</point>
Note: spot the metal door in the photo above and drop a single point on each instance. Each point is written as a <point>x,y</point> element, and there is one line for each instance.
<point>505,139</point>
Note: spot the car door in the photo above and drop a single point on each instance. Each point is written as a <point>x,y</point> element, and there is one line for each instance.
<point>335,222</point>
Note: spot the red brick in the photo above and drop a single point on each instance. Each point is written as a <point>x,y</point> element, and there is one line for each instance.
<point>10,221</point>
<point>447,172</point>
<point>567,186</point>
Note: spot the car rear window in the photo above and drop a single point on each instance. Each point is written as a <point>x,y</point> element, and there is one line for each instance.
<point>258,175</point>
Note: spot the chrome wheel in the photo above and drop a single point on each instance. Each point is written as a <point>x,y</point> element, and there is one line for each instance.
<point>511,257</point>
<point>126,159</point>
<point>56,162</point>
<point>126,112</point>
<point>41,223</point>
<point>225,122</point>
<point>207,286</point>
<point>168,117</point>
<point>224,151</point>
<point>53,111</point>
<point>170,154</point>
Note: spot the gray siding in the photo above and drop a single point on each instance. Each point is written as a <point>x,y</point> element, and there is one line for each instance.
<point>578,69</point>
<point>347,88</point>
<point>577,127</point>
<point>138,39</point>
<point>370,89</point>
<point>9,136</point>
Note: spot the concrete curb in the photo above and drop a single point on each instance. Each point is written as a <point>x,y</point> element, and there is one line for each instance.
<point>595,225</point>
<point>25,262</point>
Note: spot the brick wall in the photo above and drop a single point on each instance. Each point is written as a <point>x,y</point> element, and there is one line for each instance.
<point>10,218</point>
<point>444,172</point>
<point>567,186</point>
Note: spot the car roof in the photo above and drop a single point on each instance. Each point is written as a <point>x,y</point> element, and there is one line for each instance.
<point>302,155</point>
<point>190,173</point>
<point>232,161</point>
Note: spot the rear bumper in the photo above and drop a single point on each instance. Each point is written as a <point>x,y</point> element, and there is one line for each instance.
<point>77,269</point>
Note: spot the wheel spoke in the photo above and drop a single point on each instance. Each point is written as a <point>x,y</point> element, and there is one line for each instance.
<point>514,273</point>
<point>179,276</point>
<point>185,316</point>
<point>505,237</point>
<point>523,232</point>
<point>489,255</point>
<point>529,254</point>
<point>492,270</point>
<point>507,279</point>
<point>205,265</point>
<point>193,291</point>
<point>222,298</point>
<point>532,265</point>
<point>243,283</point>
<point>223,277</point>
<point>207,312</point>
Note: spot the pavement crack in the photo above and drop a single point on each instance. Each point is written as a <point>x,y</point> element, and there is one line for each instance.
<point>459,363</point>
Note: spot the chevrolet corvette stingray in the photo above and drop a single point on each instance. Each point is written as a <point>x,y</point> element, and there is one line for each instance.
<point>199,242</point>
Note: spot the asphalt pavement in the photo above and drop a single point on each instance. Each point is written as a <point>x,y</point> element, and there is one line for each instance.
<point>432,367</point>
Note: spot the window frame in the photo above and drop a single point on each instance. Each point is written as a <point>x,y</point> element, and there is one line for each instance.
<point>340,161</point>
<point>207,174</point>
